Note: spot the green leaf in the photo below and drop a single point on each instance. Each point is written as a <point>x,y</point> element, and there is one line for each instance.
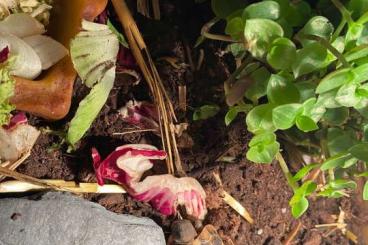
<point>259,34</point>
<point>328,99</point>
<point>263,153</point>
<point>282,53</point>
<point>346,95</point>
<point>281,91</point>
<point>306,89</point>
<point>360,151</point>
<point>305,123</point>
<point>339,184</point>
<point>357,7</point>
<point>299,208</point>
<point>336,116</point>
<point>237,49</point>
<point>317,26</point>
<point>263,139</point>
<point>339,140</point>
<point>360,73</point>
<point>205,112</point>
<point>365,191</point>
<point>356,53</point>
<point>235,28</point>
<point>262,10</point>
<point>297,13</point>
<point>120,36</point>
<point>336,161</point>
<point>310,58</point>
<point>260,118</point>
<point>258,89</point>
<point>313,110</point>
<point>283,116</point>
<point>305,170</point>
<point>334,80</point>
<point>234,111</point>
<point>7,85</point>
<point>223,8</point>
<point>89,107</point>
<point>230,116</point>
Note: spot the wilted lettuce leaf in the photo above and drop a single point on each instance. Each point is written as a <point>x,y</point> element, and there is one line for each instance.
<point>6,91</point>
<point>93,53</point>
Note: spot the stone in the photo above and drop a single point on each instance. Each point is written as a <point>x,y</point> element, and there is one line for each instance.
<point>61,218</point>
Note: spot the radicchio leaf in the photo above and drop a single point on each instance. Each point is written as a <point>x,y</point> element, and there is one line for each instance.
<point>126,166</point>
<point>142,114</point>
<point>16,120</point>
<point>4,54</point>
<point>17,138</point>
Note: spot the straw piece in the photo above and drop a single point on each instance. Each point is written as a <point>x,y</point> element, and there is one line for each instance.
<point>16,186</point>
<point>293,234</point>
<point>160,96</point>
<point>232,202</point>
<point>15,165</point>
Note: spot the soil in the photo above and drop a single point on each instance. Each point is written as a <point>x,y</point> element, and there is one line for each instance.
<point>207,147</point>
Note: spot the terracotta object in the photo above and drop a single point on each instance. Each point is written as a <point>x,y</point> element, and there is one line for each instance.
<point>50,96</point>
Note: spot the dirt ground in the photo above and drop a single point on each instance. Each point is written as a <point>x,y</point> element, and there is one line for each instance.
<point>261,189</point>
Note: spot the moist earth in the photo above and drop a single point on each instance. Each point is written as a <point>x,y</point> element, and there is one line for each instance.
<point>207,147</point>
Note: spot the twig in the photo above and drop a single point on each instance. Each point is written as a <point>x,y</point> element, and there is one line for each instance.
<point>15,165</point>
<point>232,202</point>
<point>182,91</point>
<point>200,59</point>
<point>135,131</point>
<point>161,98</point>
<point>293,234</point>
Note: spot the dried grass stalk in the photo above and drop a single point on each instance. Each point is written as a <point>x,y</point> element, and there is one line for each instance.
<point>16,186</point>
<point>161,98</point>
<point>14,165</point>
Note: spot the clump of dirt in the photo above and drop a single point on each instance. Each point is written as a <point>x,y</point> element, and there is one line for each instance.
<point>213,147</point>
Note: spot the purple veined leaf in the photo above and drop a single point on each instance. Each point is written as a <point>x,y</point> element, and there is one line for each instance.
<point>142,114</point>
<point>126,166</point>
<point>16,120</point>
<point>4,54</point>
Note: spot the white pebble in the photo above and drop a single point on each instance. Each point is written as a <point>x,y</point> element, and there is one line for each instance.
<point>259,232</point>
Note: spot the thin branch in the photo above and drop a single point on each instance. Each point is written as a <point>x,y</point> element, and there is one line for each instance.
<point>286,172</point>
<point>331,48</point>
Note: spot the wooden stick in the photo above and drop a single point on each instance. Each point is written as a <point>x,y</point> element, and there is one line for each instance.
<point>14,165</point>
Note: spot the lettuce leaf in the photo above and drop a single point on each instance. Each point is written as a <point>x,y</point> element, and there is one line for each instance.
<point>7,84</point>
<point>93,52</point>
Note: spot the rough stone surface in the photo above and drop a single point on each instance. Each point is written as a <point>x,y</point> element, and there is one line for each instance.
<point>59,219</point>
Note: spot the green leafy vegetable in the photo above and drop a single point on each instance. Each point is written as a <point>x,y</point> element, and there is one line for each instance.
<point>7,84</point>
<point>205,112</point>
<point>93,53</point>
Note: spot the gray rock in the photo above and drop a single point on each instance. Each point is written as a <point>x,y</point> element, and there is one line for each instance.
<point>59,219</point>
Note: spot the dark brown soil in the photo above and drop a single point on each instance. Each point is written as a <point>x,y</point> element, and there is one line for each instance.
<point>261,189</point>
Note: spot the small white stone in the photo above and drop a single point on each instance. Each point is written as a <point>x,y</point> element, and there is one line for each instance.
<point>283,210</point>
<point>259,232</point>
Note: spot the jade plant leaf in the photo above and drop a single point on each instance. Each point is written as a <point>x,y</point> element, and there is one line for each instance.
<point>284,116</point>
<point>259,35</point>
<point>262,10</point>
<point>263,148</point>
<point>317,26</point>
<point>281,91</point>
<point>282,54</point>
<point>260,118</point>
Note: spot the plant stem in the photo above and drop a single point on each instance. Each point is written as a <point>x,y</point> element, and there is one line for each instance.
<point>331,48</point>
<point>206,28</point>
<point>286,172</point>
<point>339,29</point>
<point>344,12</point>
